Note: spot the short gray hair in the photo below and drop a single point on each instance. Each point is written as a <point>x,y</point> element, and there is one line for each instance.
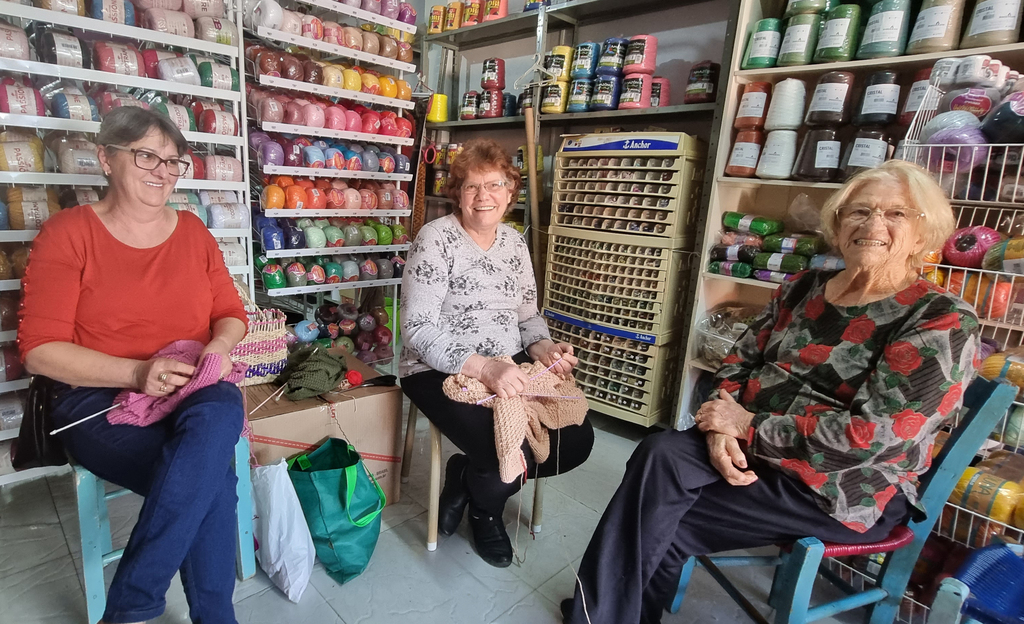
<point>129,124</point>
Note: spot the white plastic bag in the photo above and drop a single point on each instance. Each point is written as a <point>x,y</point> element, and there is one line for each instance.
<point>286,550</point>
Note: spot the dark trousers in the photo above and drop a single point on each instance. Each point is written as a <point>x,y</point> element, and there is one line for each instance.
<point>672,504</point>
<point>471,428</point>
<point>182,466</point>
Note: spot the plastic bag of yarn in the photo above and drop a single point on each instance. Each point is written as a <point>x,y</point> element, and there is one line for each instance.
<point>1003,464</point>
<point>803,215</point>
<point>986,494</point>
<point>739,238</point>
<point>1007,256</point>
<point>966,150</point>
<point>804,245</point>
<point>825,262</point>
<point>734,253</point>
<point>750,223</point>
<point>1009,431</point>
<point>228,216</point>
<point>989,297</point>
<point>787,263</point>
<point>967,246</point>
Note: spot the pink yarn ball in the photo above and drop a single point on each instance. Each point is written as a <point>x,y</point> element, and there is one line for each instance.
<point>967,246</point>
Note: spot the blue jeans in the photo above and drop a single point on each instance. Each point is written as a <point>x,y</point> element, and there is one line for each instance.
<point>182,466</point>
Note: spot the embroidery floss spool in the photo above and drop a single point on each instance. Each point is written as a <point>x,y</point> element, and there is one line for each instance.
<point>660,92</point>
<point>584,62</point>
<point>641,55</point>
<point>993,22</point>
<point>838,40</point>
<point>777,155</point>
<point>636,91</point>
<point>885,34</point>
<point>753,106</point>
<point>580,92</point>
<point>613,55</point>
<point>606,93</point>
<point>786,111</point>
<point>800,40</point>
<point>937,27</point>
<point>763,46</point>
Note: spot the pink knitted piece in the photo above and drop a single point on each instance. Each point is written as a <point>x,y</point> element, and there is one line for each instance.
<point>143,410</point>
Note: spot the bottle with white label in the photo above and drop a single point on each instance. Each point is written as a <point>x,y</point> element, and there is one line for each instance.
<point>869,148</point>
<point>993,22</point>
<point>879,101</point>
<point>763,45</point>
<point>885,33</point>
<point>818,159</point>
<point>937,27</point>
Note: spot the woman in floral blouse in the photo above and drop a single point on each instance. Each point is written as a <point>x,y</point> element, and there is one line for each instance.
<point>823,416</point>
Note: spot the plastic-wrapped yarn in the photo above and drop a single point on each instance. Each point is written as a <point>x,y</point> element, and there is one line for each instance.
<point>1007,256</point>
<point>636,91</point>
<point>733,269</point>
<point>948,121</point>
<point>937,27</point>
<point>641,55</point>
<point>885,34</point>
<point>739,238</point>
<point>660,94</point>
<point>700,86</point>
<point>787,263</point>
<point>613,56</point>
<point>967,246</point>
<point>990,298</point>
<point>915,96</point>
<point>879,101</point>
<point>580,92</point>
<point>800,40</point>
<point>584,62</point>
<point>1005,123</point>
<point>763,46</point>
<point>786,111</point>
<point>838,39</point>
<point>818,159</point>
<point>869,148</point>
<point>733,253</point>
<point>745,153</point>
<point>798,7</point>
<point>606,93</point>
<point>825,262</point>
<point>777,277</point>
<point>978,101</point>
<point>555,98</point>
<point>801,245</point>
<point>753,106</point>
<point>755,224</point>
<point>830,104</point>
<point>777,155</point>
<point>967,149</point>
<point>559,62</point>
<point>993,22</point>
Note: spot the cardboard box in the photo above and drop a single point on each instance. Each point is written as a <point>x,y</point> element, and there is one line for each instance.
<point>369,418</point>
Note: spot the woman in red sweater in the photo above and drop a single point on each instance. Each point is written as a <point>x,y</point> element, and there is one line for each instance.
<point>107,286</point>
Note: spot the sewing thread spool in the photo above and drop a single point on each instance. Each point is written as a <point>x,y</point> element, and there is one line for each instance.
<point>636,91</point>
<point>559,62</point>
<point>579,95</point>
<point>470,104</point>
<point>786,111</point>
<point>495,9</point>
<point>437,111</point>
<point>584,61</point>
<point>613,55</point>
<point>660,92</point>
<point>641,55</point>
<point>606,93</point>
<point>763,46</point>
<point>777,155</point>
<point>453,15</point>
<point>753,106</point>
<point>555,98</point>
<point>492,75</point>
<point>435,23</point>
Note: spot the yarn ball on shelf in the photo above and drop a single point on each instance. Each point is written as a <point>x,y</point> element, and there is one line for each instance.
<point>307,331</point>
<point>967,246</point>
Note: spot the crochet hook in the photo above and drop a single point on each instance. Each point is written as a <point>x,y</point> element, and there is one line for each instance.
<point>80,421</point>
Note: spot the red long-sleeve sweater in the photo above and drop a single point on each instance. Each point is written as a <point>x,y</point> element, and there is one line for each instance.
<point>84,286</point>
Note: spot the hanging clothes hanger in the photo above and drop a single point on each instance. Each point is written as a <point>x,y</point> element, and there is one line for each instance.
<point>538,66</point>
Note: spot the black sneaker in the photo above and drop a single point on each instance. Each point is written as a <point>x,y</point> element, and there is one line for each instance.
<point>454,497</point>
<point>491,539</point>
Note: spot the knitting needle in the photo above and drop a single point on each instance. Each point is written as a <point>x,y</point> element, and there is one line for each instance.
<point>547,396</point>
<point>78,422</point>
<point>531,379</point>
<point>275,396</point>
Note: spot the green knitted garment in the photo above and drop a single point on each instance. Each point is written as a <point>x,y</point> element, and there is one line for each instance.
<point>311,371</point>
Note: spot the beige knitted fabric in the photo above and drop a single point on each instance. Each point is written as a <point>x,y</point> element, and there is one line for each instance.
<point>523,417</point>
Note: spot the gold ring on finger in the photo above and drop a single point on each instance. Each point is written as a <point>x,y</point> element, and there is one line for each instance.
<point>163,387</point>
<point>162,377</point>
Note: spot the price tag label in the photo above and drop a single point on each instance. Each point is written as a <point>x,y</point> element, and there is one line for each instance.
<point>826,155</point>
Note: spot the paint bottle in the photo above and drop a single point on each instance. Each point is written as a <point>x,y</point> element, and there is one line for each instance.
<point>641,55</point>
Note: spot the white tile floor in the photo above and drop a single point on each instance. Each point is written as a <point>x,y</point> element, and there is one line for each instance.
<point>40,576</point>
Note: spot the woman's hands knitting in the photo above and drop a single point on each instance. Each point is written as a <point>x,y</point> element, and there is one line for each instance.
<point>159,376</point>
<point>504,379</point>
<point>557,356</point>
<point>221,348</point>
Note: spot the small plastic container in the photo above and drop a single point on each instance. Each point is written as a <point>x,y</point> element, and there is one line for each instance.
<point>763,46</point>
<point>753,106</point>
<point>745,153</point>
<point>636,91</point>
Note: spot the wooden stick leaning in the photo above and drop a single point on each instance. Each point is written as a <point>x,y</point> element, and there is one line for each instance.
<point>534,189</point>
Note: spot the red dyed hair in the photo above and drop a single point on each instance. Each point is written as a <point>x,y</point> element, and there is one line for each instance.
<point>482,155</point>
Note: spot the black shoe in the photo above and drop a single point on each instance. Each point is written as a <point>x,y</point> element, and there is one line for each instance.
<point>566,606</point>
<point>454,497</point>
<point>492,542</point>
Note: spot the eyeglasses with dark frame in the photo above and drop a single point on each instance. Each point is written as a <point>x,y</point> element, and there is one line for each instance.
<point>149,161</point>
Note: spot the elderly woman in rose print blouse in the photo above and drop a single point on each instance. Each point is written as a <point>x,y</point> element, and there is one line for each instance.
<point>823,416</point>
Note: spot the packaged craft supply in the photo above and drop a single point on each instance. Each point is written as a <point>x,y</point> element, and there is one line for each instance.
<point>800,40</point>
<point>490,104</point>
<point>730,237</point>
<point>660,93</point>
<point>700,87</point>
<point>471,14</point>
<point>801,245</point>
<point>993,22</point>
<point>453,15</point>
<point>733,269</point>
<point>524,101</point>
<point>886,30</point>
<point>641,55</point>
<point>869,148</point>
<point>435,22</point>
<point>777,155</point>
<point>554,98</point>
<point>470,104</point>
<point>785,262</point>
<point>818,158</point>
<point>636,91</point>
<point>734,253</point>
<point>613,56</point>
<point>558,62</point>
<point>839,32</point>
<point>763,46</point>
<point>509,104</point>
<point>606,93</point>
<point>745,153</point>
<point>786,111</point>
<point>915,96</point>
<point>830,104</point>
<point>1005,122</point>
<point>825,262</point>
<point>988,495</point>
<point>753,107</point>
<point>580,92</point>
<point>755,224</point>
<point>776,277</point>
<point>937,27</point>
<point>584,61</point>
<point>799,7</point>
<point>879,101</point>
<point>494,9</point>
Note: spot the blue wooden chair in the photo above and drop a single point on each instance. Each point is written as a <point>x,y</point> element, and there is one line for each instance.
<point>94,524</point>
<point>798,565</point>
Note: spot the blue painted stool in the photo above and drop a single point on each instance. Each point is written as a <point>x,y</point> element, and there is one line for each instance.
<point>94,525</point>
<point>985,402</point>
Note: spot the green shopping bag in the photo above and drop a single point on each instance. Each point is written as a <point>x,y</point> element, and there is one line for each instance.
<point>342,503</point>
